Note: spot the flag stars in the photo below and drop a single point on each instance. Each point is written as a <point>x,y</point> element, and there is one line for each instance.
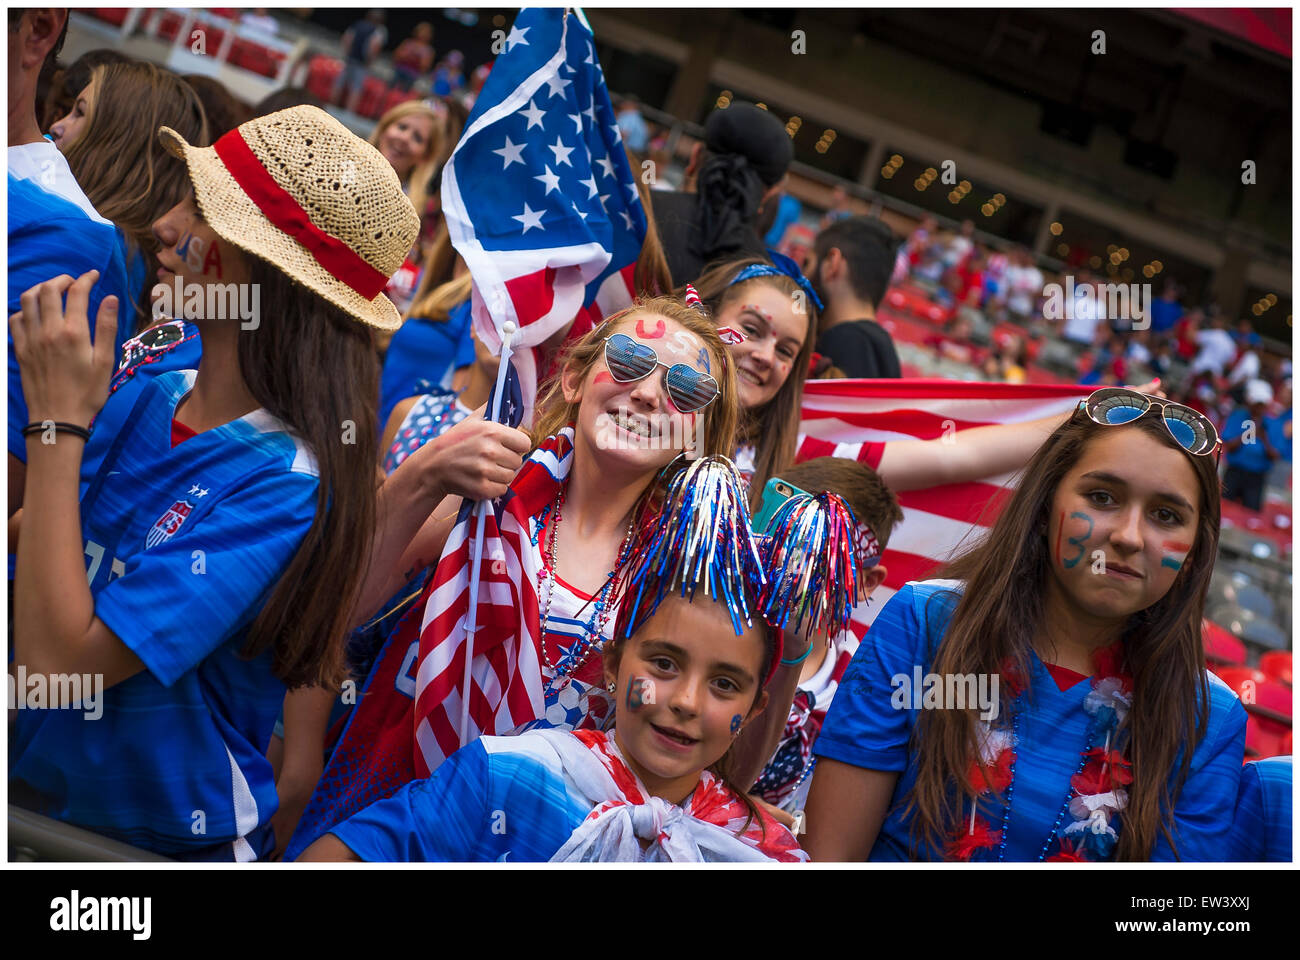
<point>590,184</point>
<point>517,36</point>
<point>606,166</point>
<point>529,218</point>
<point>557,85</point>
<point>561,152</point>
<point>578,210</point>
<point>512,152</point>
<point>634,196</point>
<point>577,123</point>
<point>551,180</point>
<point>534,115</point>
<point>627,218</point>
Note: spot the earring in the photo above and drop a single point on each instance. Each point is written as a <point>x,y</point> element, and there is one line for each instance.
<point>612,687</point>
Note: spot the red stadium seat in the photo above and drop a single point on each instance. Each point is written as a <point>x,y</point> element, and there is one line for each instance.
<point>1276,665</point>
<point>169,24</point>
<point>1266,738</point>
<point>255,58</point>
<point>1222,649</point>
<point>322,73</point>
<point>394,97</point>
<point>1245,681</point>
<point>372,97</point>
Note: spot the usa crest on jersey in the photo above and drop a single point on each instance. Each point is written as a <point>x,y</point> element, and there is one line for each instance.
<point>166,525</point>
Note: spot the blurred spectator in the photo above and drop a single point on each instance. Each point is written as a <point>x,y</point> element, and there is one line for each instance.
<point>738,169</point>
<point>1083,314</point>
<point>1245,334</point>
<point>413,57</point>
<point>361,44</point>
<point>954,343</point>
<point>1186,332</point>
<point>449,77</point>
<point>67,84</point>
<point>1278,421</point>
<point>1024,282</point>
<point>632,125</point>
<point>961,244</point>
<point>788,210</point>
<point>1249,450</point>
<point>1166,311</point>
<point>1216,348</point>
<point>224,111</point>
<point>839,209</point>
<point>851,264</point>
<point>260,21</point>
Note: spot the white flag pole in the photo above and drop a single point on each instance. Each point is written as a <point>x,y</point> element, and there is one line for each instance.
<point>480,513</point>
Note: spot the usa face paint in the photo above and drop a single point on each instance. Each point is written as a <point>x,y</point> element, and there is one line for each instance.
<point>640,692</point>
<point>735,724</point>
<point>1174,552</point>
<point>653,334</point>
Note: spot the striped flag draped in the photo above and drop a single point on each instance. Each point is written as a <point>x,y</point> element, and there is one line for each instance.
<point>506,672</point>
<point>936,520</point>
<point>538,196</point>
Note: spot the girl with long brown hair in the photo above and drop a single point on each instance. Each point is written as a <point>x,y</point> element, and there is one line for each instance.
<point>110,141</point>
<point>605,427</point>
<point>1049,701</point>
<point>221,540</point>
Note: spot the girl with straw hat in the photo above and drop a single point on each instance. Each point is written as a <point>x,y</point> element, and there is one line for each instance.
<point>225,530</point>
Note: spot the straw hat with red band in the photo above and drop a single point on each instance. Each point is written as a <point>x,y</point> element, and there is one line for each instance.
<point>299,190</point>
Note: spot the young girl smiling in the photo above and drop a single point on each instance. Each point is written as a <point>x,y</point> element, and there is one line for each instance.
<point>689,674</point>
<point>1109,739</point>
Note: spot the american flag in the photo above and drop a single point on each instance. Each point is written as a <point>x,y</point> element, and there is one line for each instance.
<point>538,196</point>
<point>936,520</point>
<point>505,672</point>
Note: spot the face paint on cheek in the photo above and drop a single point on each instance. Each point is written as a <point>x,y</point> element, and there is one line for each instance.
<point>194,254</point>
<point>212,262</point>
<point>703,361</point>
<point>602,377</point>
<point>641,331</point>
<point>1080,540</point>
<point>640,692</point>
<point>1175,553</point>
<point>735,724</point>
<point>183,247</point>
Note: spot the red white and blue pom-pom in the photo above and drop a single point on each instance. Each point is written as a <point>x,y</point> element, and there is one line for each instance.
<point>809,558</point>
<point>700,536</point>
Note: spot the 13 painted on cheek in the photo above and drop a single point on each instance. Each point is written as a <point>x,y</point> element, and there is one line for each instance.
<point>1081,525</point>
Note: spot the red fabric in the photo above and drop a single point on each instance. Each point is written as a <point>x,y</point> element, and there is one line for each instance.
<point>181,433</point>
<point>1065,678</point>
<point>342,262</point>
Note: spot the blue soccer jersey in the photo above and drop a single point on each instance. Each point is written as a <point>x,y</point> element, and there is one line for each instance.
<point>866,728</point>
<point>498,798</point>
<point>50,235</point>
<point>183,546</point>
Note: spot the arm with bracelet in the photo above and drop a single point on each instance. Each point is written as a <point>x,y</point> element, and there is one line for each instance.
<point>65,380</point>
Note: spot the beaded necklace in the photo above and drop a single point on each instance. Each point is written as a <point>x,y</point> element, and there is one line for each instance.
<point>591,642</point>
<point>1096,794</point>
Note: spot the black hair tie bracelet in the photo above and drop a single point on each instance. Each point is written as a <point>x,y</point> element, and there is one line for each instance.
<point>59,426</point>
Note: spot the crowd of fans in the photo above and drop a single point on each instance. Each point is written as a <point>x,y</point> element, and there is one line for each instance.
<point>319,558</point>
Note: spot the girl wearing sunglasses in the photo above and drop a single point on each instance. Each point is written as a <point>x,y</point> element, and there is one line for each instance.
<point>775,309</point>
<point>1105,738</point>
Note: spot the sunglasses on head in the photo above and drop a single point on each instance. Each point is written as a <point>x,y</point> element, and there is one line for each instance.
<point>1115,406</point>
<point>629,360</point>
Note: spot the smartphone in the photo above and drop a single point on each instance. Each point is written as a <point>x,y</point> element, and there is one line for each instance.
<point>775,493</point>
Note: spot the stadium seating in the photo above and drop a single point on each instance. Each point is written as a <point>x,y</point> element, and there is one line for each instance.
<point>1276,664</point>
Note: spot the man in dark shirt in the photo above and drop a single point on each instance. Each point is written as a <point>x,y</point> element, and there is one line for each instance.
<point>739,171</point>
<point>851,264</point>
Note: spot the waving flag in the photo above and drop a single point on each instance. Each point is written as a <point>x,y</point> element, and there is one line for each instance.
<point>538,195</point>
<point>844,417</point>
